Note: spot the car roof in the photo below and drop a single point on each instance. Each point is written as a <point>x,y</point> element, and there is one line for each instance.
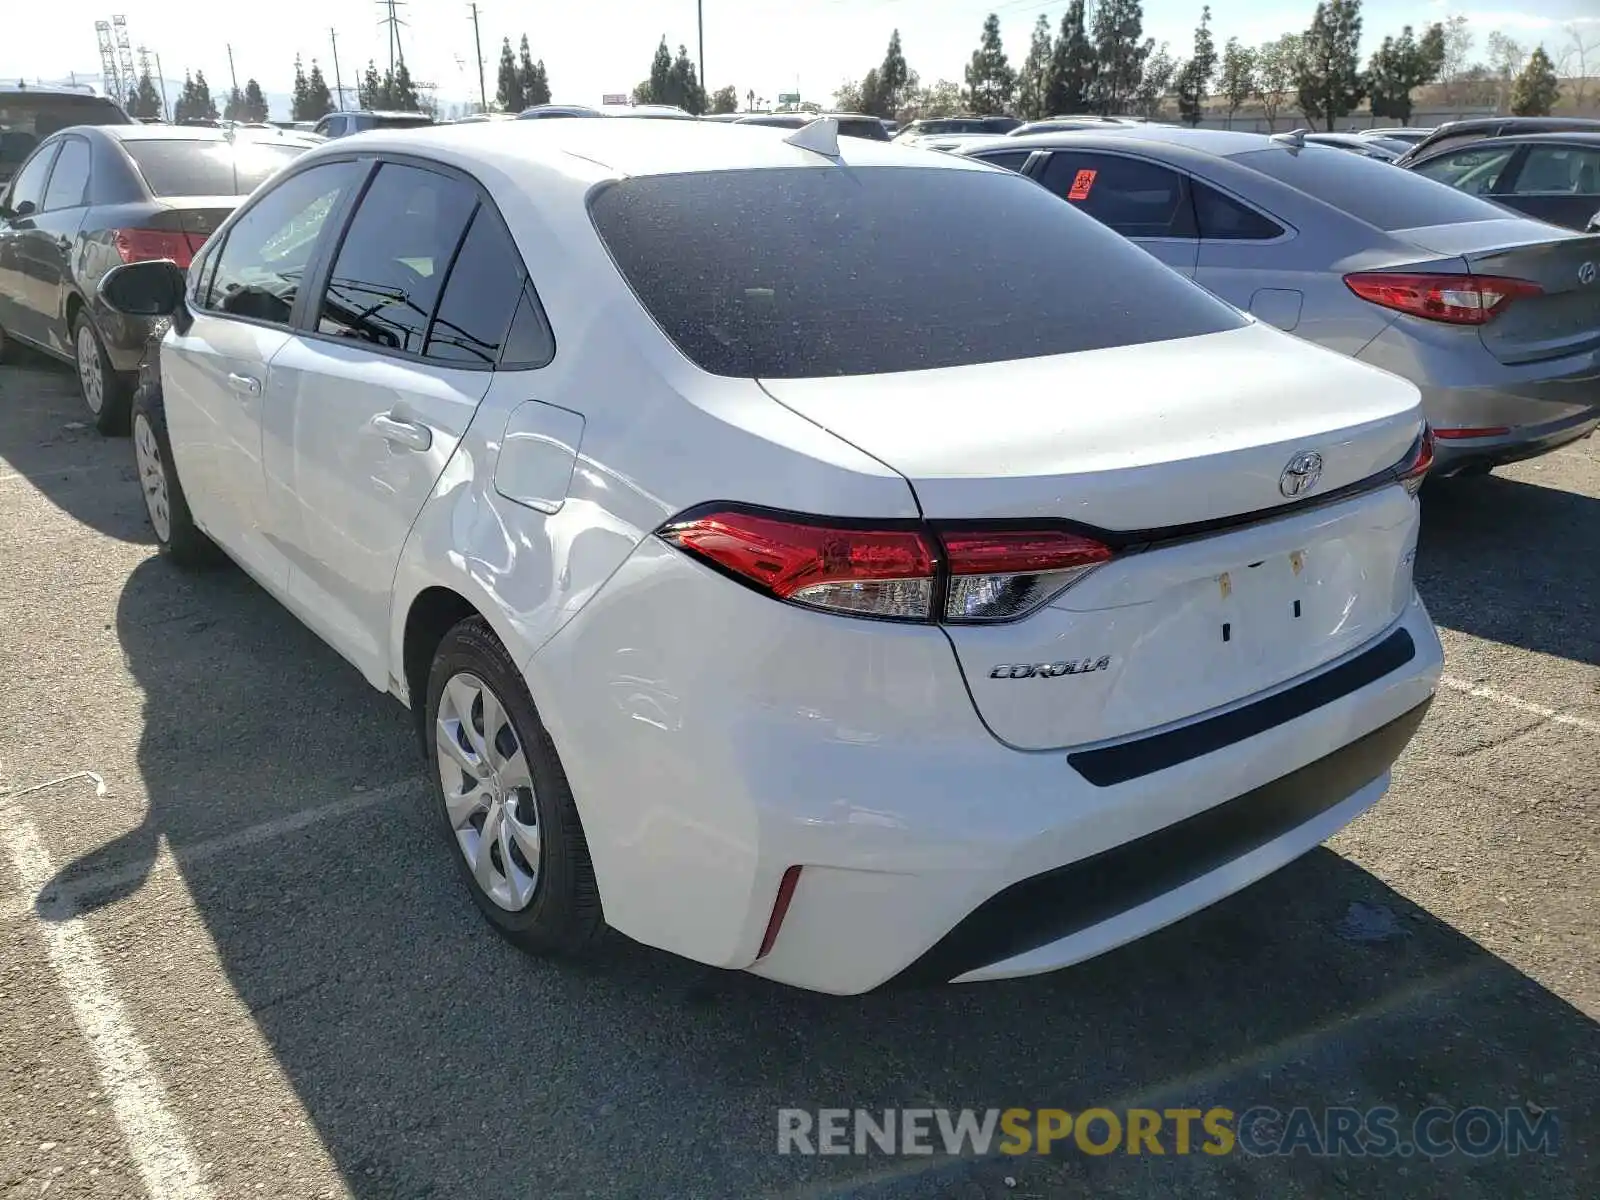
<point>201,133</point>
<point>526,151</point>
<point>1222,142</point>
<point>22,88</point>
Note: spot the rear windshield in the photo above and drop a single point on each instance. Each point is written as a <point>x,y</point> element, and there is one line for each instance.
<point>196,168</point>
<point>1384,196</point>
<point>803,272</point>
<point>398,122</point>
<point>26,120</point>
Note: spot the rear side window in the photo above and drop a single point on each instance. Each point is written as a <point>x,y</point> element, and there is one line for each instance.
<point>1134,197</point>
<point>1547,171</point>
<point>806,272</point>
<point>1367,189</point>
<point>480,298</point>
<point>1223,219</point>
<point>391,267</point>
<point>207,168</point>
<point>70,179</point>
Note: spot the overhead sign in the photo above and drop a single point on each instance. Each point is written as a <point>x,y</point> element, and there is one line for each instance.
<point>788,97</point>
<point>615,98</point>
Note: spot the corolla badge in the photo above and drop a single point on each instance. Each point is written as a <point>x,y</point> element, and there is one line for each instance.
<point>1301,475</point>
<point>1587,273</point>
<point>1051,670</point>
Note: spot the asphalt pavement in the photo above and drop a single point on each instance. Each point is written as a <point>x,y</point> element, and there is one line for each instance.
<point>248,968</point>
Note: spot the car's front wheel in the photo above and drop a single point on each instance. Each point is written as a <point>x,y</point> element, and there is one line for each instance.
<point>504,799</point>
<point>180,538</point>
<point>107,393</point>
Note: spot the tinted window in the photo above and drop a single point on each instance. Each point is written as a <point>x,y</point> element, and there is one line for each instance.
<point>391,266</point>
<point>1369,190</point>
<point>261,265</point>
<point>804,272</point>
<point>1473,170</point>
<point>28,186</point>
<point>1221,218</point>
<point>70,179</point>
<point>220,168</point>
<point>864,127</point>
<point>480,297</point>
<point>41,115</point>
<point>1134,197</point>
<point>1547,171</point>
<point>530,342</point>
<point>1011,160</point>
<point>397,122</point>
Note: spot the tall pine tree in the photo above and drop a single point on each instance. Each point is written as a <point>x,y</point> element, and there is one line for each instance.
<point>990,79</point>
<point>1072,66</point>
<point>1329,77</point>
<point>1033,81</point>
<point>146,97</point>
<point>509,91</point>
<point>255,104</point>
<point>660,75</point>
<point>1194,80</point>
<point>319,97</point>
<point>299,109</point>
<point>1120,52</point>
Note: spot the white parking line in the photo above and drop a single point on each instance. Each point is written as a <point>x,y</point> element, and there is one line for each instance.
<point>138,1099</point>
<point>1494,696</point>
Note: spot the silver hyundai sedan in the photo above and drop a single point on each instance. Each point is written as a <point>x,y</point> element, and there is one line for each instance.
<point>1495,316</point>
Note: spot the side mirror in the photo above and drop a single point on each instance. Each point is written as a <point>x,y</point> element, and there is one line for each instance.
<point>1594,224</point>
<point>26,209</point>
<point>144,289</point>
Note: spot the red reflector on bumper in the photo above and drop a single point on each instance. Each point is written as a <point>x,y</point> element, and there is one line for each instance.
<point>780,909</point>
<point>1472,431</point>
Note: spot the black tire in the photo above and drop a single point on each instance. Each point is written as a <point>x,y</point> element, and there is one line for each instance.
<point>564,916</point>
<point>183,542</point>
<point>116,387</point>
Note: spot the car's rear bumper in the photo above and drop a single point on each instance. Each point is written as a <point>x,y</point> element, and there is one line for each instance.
<point>1464,455</point>
<point>715,739</point>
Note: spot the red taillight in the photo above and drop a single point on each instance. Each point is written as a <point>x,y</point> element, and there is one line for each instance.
<point>148,245</point>
<point>874,573</point>
<point>1418,463</point>
<point>1454,299</point>
<point>1472,431</point>
<point>986,574</point>
<point>1000,574</point>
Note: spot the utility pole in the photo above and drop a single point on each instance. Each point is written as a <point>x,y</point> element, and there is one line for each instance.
<point>166,112</point>
<point>477,42</point>
<point>232,74</point>
<point>700,21</point>
<point>392,20</point>
<point>338,84</point>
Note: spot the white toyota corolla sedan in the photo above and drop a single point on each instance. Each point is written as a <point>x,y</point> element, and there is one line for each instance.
<point>820,558</point>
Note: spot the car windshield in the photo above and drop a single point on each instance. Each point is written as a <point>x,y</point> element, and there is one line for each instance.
<point>802,272</point>
<point>26,120</point>
<point>205,168</point>
<point>1367,189</point>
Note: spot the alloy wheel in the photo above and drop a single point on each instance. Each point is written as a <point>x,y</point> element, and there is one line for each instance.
<point>488,791</point>
<point>89,372</point>
<point>152,476</point>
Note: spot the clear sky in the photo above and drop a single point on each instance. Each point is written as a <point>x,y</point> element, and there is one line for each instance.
<point>595,46</point>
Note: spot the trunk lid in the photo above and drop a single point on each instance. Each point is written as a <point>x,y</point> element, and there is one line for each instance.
<point>197,215</point>
<point>1565,318</point>
<point>1141,440</point>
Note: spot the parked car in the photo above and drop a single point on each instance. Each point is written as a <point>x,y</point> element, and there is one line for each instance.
<point>1085,121</point>
<point>29,113</point>
<point>538,111</point>
<point>1492,315</point>
<point>912,132</point>
<point>654,112</point>
<point>856,125</point>
<point>1459,133</point>
<point>1356,144</point>
<point>93,197</point>
<point>1552,176</point>
<point>1404,135</point>
<point>724,638</point>
<point>342,124</point>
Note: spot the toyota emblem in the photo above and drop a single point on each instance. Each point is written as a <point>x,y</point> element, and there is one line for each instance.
<point>1587,273</point>
<point>1301,475</point>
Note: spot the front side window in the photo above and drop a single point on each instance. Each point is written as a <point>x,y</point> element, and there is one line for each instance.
<point>70,180</point>
<point>808,272</point>
<point>28,186</point>
<point>1134,197</point>
<point>391,267</point>
<point>1553,171</point>
<point>263,262</point>
<point>1473,171</point>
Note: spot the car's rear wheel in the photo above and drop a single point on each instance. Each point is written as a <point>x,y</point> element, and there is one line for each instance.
<point>179,537</point>
<point>107,393</point>
<point>505,801</point>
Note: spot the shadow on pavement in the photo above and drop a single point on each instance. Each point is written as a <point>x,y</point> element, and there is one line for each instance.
<point>1513,562</point>
<point>46,437</point>
<point>435,1061</point>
